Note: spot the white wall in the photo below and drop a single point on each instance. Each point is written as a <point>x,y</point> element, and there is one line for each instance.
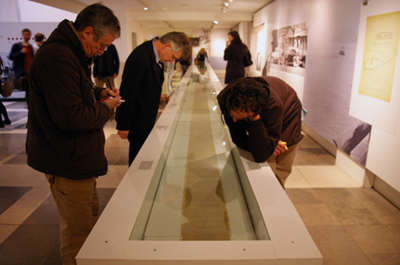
<point>281,13</point>
<point>43,13</point>
<point>18,14</point>
<point>28,11</point>
<point>215,48</point>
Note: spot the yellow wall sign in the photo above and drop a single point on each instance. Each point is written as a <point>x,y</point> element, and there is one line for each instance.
<point>380,52</point>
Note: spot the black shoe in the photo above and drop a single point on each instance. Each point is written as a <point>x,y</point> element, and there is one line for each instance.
<point>7,122</point>
<point>1,125</point>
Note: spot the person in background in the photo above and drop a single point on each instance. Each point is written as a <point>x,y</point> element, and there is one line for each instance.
<point>141,86</point>
<point>201,58</point>
<point>21,54</point>
<point>39,39</point>
<point>3,110</point>
<point>106,67</point>
<point>290,58</point>
<point>65,138</point>
<point>185,64</point>
<point>264,117</point>
<point>234,53</point>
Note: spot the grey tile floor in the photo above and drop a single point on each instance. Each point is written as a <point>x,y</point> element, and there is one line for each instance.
<point>350,225</point>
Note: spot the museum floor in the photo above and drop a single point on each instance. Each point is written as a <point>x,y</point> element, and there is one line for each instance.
<point>350,225</point>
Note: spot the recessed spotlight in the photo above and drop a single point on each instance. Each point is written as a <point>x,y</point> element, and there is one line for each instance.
<point>215,22</point>
<point>145,8</point>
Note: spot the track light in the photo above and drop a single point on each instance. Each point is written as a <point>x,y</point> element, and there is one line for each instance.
<point>165,23</point>
<point>225,5</point>
<point>145,6</point>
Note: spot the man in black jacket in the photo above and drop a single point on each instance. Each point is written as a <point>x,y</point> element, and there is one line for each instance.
<point>141,86</point>
<point>264,117</point>
<point>106,67</point>
<point>21,54</point>
<point>65,131</point>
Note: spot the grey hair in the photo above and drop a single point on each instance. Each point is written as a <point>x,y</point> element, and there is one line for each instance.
<point>101,19</point>
<point>179,42</point>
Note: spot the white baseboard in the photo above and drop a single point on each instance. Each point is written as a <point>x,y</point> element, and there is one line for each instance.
<point>387,191</point>
<point>326,144</point>
<point>361,175</point>
<point>353,169</point>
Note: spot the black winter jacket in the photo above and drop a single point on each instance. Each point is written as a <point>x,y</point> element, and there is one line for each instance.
<point>106,64</point>
<point>65,123</point>
<point>234,54</point>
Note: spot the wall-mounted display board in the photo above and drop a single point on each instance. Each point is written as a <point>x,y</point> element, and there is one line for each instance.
<point>375,95</point>
<point>376,86</point>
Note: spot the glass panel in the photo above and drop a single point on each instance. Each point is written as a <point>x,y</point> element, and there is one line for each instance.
<point>196,193</point>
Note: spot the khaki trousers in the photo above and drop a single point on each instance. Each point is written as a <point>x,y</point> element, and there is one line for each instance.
<point>101,82</point>
<point>78,209</point>
<point>282,164</point>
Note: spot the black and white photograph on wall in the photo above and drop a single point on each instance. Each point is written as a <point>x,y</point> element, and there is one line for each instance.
<point>288,47</point>
<point>354,141</point>
<point>196,42</point>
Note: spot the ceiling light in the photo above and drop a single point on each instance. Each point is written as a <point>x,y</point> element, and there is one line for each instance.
<point>144,5</point>
<point>215,22</point>
<point>165,23</point>
<point>226,3</point>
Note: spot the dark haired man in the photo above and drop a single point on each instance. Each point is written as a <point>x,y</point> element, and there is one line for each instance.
<point>65,130</point>
<point>264,117</point>
<point>39,39</point>
<point>141,85</point>
<point>21,54</point>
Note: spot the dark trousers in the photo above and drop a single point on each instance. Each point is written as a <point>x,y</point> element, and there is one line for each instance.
<point>136,140</point>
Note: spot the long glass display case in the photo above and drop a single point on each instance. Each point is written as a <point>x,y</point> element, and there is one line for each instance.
<point>192,197</point>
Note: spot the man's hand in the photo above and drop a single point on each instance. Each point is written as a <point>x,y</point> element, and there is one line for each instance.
<point>254,118</point>
<point>123,134</point>
<point>109,93</point>
<point>280,148</point>
<point>112,97</point>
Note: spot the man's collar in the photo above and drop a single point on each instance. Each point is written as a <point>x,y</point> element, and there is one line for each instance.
<point>155,52</point>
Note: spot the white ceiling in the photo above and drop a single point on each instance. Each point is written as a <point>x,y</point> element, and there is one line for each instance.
<point>174,14</point>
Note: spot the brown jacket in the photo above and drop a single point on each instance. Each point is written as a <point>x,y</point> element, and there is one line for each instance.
<point>281,120</point>
<point>65,124</point>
